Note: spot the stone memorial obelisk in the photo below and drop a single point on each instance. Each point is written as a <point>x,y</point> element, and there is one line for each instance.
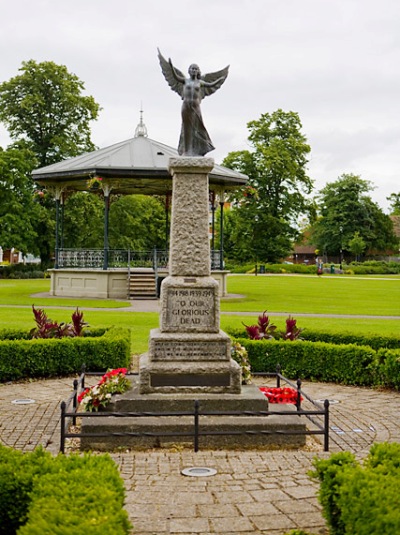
<point>189,352</point>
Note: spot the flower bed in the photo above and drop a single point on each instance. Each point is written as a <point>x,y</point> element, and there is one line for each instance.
<point>280,395</point>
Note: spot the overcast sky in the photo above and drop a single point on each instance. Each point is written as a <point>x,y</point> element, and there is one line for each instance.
<point>335,62</point>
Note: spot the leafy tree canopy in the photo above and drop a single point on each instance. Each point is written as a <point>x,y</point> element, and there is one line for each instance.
<point>264,222</point>
<point>394,200</point>
<point>45,106</point>
<point>346,209</point>
<point>137,222</point>
<point>18,209</point>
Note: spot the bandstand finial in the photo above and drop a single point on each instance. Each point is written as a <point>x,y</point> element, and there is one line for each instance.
<point>141,130</point>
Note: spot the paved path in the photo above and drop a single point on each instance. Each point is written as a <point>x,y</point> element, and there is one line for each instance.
<point>254,492</point>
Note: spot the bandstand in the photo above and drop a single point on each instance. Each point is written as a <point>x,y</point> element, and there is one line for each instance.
<point>136,166</point>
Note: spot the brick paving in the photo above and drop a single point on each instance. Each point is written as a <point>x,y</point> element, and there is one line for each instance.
<point>257,492</point>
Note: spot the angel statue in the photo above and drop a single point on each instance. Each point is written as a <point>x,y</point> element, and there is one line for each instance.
<point>194,139</point>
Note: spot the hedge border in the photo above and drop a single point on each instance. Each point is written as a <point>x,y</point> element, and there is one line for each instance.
<point>21,358</point>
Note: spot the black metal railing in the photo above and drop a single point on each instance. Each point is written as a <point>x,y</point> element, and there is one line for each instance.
<point>94,258</point>
<point>69,414</point>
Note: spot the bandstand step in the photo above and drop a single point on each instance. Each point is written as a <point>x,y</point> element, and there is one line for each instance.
<point>142,285</point>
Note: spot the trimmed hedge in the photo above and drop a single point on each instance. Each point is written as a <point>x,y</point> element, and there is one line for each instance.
<point>20,358</point>
<point>362,500</point>
<point>374,341</point>
<point>338,363</point>
<point>41,494</point>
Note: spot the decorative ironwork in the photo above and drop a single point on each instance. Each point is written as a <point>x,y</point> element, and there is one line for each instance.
<point>120,258</point>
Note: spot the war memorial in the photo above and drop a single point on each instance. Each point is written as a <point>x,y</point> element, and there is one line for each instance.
<point>189,357</point>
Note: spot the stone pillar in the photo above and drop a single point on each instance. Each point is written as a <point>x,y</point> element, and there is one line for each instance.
<point>189,353</point>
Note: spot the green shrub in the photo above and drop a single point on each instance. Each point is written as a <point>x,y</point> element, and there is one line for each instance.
<point>331,474</point>
<point>40,494</point>
<point>347,364</point>
<point>13,334</point>
<point>17,473</point>
<point>387,362</point>
<point>82,493</point>
<point>374,341</point>
<point>362,500</point>
<point>52,357</point>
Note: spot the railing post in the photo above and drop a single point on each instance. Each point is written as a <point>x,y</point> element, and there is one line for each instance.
<point>278,377</point>
<point>62,434</point>
<point>196,426</point>
<point>326,425</point>
<point>298,397</point>
<point>106,221</point>
<point>83,370</point>
<point>75,400</point>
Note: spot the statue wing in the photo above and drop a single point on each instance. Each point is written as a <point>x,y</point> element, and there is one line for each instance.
<point>213,77</point>
<point>167,71</point>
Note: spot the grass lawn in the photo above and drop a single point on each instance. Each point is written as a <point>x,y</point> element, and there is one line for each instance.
<point>24,292</point>
<point>290,294</point>
<point>312,294</point>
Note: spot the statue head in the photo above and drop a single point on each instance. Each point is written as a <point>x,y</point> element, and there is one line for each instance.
<point>194,70</point>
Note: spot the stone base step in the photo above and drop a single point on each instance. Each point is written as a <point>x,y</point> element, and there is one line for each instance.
<point>177,430</point>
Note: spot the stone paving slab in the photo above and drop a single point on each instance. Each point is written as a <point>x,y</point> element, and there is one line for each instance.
<point>257,492</point>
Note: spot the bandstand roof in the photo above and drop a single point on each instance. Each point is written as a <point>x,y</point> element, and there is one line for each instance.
<point>137,165</point>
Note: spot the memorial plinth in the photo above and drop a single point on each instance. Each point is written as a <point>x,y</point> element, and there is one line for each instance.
<point>189,353</point>
<point>189,357</point>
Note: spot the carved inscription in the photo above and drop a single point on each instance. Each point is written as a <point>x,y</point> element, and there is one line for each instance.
<point>191,307</point>
<point>164,350</point>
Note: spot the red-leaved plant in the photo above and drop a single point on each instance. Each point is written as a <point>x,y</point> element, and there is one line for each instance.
<point>266,330</point>
<point>292,331</point>
<point>263,329</point>
<point>47,328</point>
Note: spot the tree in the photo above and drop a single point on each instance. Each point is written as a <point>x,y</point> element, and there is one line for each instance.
<point>357,245</point>
<point>137,222</point>
<point>394,199</point>
<point>18,209</point>
<point>264,220</point>
<point>83,221</point>
<point>44,105</point>
<point>345,208</point>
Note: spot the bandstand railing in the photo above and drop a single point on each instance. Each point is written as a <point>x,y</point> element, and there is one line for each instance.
<point>121,258</point>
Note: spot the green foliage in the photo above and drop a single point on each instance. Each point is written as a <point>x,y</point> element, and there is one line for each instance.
<point>394,200</point>
<point>84,211</point>
<point>47,495</point>
<point>52,357</point>
<point>361,499</point>
<point>18,209</point>
<point>341,337</point>
<point>331,472</point>
<point>17,474</point>
<point>357,245</point>
<point>44,105</point>
<point>137,222</point>
<point>263,222</point>
<point>388,367</point>
<point>270,268</point>
<point>346,209</point>
<point>345,364</point>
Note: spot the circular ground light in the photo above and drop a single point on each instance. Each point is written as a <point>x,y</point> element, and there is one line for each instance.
<point>331,401</point>
<point>199,471</point>
<point>23,401</point>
